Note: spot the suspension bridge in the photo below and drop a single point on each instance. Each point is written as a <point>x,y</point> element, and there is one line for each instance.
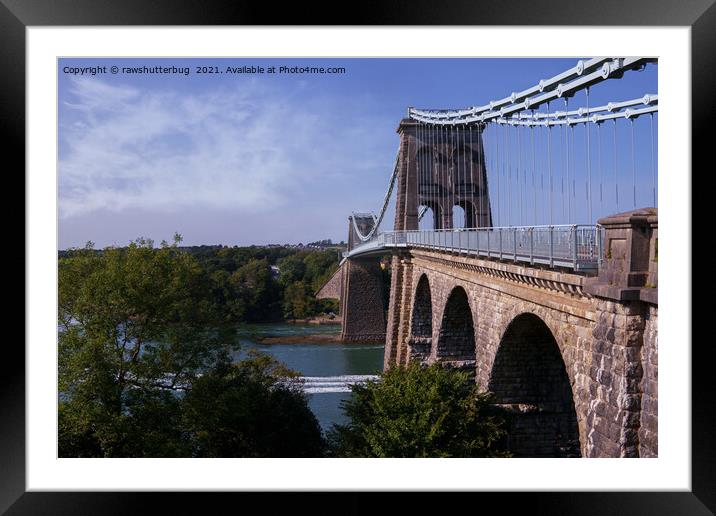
<point>524,250</point>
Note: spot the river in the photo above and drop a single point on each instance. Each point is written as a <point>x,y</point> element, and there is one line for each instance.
<point>328,368</point>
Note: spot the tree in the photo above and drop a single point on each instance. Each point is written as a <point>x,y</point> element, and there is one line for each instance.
<point>136,325</point>
<point>320,265</point>
<point>145,364</point>
<point>292,269</point>
<point>419,411</point>
<point>251,409</point>
<point>298,301</point>
<point>257,291</point>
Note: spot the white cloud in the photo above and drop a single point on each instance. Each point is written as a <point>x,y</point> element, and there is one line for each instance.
<point>248,148</point>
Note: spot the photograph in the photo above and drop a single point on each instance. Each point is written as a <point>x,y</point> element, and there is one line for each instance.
<point>273,256</point>
<point>357,257</point>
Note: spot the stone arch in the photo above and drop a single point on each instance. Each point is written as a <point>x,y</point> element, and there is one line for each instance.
<point>421,322</point>
<point>469,213</point>
<point>456,337</point>
<point>529,379</point>
<point>459,216</point>
<point>434,216</point>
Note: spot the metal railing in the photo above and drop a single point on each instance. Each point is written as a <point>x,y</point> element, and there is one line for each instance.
<point>577,247</point>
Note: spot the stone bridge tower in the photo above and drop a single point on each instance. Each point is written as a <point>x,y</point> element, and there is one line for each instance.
<point>441,167</point>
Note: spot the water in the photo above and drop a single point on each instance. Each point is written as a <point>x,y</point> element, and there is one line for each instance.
<point>328,369</point>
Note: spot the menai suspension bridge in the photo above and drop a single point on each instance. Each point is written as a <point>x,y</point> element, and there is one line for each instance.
<point>528,174</point>
<point>563,329</point>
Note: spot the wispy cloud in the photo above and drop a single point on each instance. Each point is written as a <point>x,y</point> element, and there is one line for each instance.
<point>247,148</point>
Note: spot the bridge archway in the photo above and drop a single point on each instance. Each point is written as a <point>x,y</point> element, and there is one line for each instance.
<point>421,324</point>
<point>433,217</point>
<point>530,380</point>
<point>459,216</point>
<point>466,215</point>
<point>456,338</point>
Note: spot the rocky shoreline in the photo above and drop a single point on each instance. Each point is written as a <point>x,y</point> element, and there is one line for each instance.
<point>329,338</point>
<point>315,320</point>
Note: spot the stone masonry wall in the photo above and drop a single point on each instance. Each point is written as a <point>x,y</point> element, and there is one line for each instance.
<point>406,301</point>
<point>530,380</point>
<point>496,301</point>
<point>609,349</point>
<point>456,337</point>
<point>332,289</point>
<point>395,312</point>
<point>648,431</point>
<point>617,370</point>
<point>363,313</point>
<point>421,325</point>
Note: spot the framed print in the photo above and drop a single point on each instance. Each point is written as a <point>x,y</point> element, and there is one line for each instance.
<point>513,240</point>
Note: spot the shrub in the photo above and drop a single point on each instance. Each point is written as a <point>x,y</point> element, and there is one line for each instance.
<point>419,411</point>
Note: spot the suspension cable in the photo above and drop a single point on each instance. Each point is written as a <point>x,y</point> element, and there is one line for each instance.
<point>601,170</point>
<point>633,164</point>
<point>574,176</point>
<point>653,160</point>
<point>446,216</point>
<point>589,166</point>
<point>500,165</point>
<point>534,188</point>
<point>616,175</point>
<point>549,164</point>
<point>509,176</point>
<point>563,166</point>
<point>519,166</point>
<point>566,137</point>
<point>584,74</point>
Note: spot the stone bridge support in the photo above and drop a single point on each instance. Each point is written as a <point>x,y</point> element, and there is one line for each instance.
<point>396,335</point>
<point>362,307</point>
<point>573,357</point>
<point>624,394</point>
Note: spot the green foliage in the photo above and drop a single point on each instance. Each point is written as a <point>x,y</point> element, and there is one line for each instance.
<point>255,291</point>
<point>135,314</point>
<point>327,306</point>
<point>297,301</point>
<point>419,411</point>
<point>139,330</point>
<point>292,269</point>
<point>248,409</point>
<point>245,288</point>
<point>319,268</point>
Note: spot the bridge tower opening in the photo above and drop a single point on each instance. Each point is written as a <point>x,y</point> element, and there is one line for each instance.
<point>456,340</point>
<point>421,324</point>
<point>430,216</point>
<point>530,381</point>
<point>459,218</point>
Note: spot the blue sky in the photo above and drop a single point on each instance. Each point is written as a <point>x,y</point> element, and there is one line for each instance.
<point>241,159</point>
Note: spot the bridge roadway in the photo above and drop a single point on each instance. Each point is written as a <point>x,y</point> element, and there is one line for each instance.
<point>576,247</point>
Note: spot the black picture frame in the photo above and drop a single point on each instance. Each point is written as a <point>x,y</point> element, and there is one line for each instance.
<point>17,15</point>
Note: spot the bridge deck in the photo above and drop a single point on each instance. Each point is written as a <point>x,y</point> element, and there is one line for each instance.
<point>575,247</point>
